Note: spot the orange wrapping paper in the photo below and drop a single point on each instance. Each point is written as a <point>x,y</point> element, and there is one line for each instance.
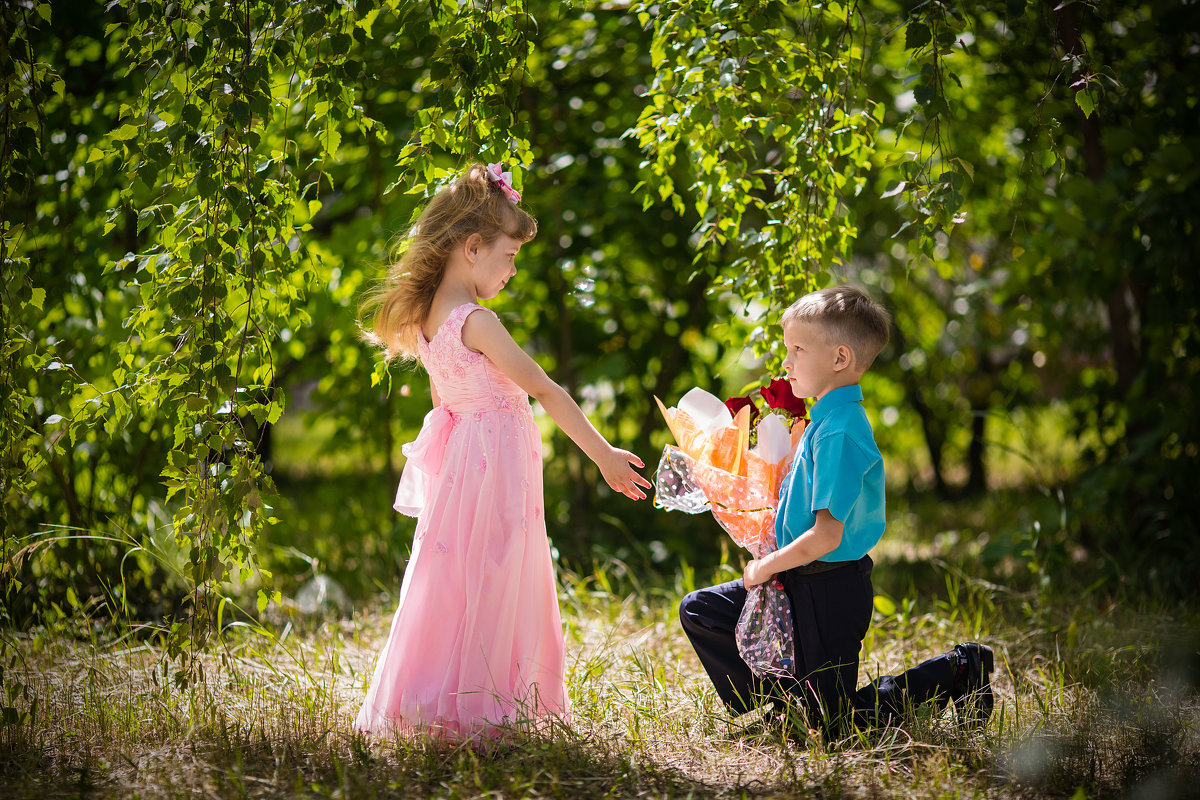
<point>741,487</point>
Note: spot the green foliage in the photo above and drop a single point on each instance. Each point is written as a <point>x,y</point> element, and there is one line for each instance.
<point>229,153</point>
<point>209,156</point>
<point>29,85</point>
<point>229,173</point>
<point>471,74</point>
<point>1069,278</point>
<point>195,196</point>
<point>1088,694</point>
<point>932,176</point>
<point>755,109</point>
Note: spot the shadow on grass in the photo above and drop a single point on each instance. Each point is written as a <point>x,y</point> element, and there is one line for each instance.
<point>236,763</point>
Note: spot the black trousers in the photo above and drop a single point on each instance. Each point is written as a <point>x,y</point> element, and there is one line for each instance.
<point>831,612</point>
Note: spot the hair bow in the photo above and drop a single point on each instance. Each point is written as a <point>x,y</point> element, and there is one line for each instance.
<point>504,181</point>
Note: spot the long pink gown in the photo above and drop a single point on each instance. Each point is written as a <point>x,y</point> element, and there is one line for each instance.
<point>476,644</point>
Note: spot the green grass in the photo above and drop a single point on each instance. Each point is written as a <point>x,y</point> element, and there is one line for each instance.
<point>1095,698</point>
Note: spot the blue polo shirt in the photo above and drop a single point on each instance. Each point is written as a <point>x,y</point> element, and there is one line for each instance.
<point>838,466</point>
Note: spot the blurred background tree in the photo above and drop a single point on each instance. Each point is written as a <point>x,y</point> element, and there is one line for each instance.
<point>1064,292</point>
<point>1015,180</point>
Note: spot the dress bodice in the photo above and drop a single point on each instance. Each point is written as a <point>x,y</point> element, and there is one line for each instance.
<point>466,381</point>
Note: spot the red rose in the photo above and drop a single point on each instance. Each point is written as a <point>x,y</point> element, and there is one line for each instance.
<point>736,404</point>
<point>779,395</point>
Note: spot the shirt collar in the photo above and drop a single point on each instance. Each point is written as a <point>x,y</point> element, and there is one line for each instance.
<point>834,398</point>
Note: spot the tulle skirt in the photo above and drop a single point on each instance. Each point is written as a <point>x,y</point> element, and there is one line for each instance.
<point>476,643</point>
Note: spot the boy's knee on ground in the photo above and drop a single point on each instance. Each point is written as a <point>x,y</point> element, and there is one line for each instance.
<point>691,609</point>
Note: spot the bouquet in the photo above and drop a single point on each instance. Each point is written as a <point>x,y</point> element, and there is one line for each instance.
<point>730,459</point>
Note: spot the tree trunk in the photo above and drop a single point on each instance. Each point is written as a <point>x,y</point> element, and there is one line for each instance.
<point>1123,300</point>
<point>976,463</point>
<point>934,433</point>
<point>979,395</point>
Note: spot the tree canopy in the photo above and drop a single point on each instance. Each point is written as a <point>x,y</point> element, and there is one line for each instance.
<point>195,195</point>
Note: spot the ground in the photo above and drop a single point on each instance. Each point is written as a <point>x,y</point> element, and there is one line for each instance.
<point>1094,699</point>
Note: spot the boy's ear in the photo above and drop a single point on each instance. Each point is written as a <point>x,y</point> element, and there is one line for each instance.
<point>843,358</point>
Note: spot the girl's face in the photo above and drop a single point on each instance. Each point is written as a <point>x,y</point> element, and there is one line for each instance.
<point>812,365</point>
<point>494,266</point>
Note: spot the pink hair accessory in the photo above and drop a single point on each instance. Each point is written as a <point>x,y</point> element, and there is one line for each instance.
<point>504,181</point>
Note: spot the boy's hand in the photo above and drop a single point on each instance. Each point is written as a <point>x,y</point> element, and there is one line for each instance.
<point>621,477</point>
<point>756,572</point>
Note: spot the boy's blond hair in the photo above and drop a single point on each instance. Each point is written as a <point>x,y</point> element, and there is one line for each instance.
<point>846,315</point>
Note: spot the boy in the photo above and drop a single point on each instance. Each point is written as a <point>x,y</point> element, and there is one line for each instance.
<point>830,514</point>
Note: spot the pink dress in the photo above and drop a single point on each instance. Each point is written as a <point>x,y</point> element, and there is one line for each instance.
<point>476,642</point>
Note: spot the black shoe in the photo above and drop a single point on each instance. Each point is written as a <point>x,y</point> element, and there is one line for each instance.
<point>972,691</point>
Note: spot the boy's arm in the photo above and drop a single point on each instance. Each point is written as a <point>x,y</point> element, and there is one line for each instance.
<point>820,539</point>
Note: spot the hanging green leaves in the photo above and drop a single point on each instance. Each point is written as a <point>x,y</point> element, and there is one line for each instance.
<point>474,59</point>
<point>932,190</point>
<point>754,120</point>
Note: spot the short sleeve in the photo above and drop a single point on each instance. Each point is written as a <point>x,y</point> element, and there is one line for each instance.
<point>463,312</point>
<point>840,466</point>
<point>467,309</point>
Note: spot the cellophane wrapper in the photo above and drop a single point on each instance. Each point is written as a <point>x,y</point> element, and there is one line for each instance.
<point>765,637</point>
<point>745,508</point>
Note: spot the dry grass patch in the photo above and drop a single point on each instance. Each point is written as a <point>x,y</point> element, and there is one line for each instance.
<point>1111,709</point>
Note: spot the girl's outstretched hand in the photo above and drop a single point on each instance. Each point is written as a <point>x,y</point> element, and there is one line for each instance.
<point>620,476</point>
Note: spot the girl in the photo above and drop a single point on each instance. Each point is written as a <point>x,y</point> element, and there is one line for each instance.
<point>476,641</point>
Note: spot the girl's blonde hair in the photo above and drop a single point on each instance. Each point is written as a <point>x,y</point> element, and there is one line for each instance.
<point>399,305</point>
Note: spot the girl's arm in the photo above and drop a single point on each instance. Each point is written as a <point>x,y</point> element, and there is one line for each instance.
<point>820,539</point>
<point>483,333</point>
<point>433,392</point>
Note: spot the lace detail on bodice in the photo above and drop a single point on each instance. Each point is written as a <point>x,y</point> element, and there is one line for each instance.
<point>466,380</point>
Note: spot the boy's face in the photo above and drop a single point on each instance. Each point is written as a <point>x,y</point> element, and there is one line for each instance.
<point>813,366</point>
